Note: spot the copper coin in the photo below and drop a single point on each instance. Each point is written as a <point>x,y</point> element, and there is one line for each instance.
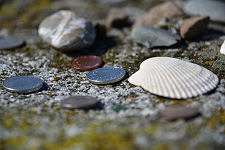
<point>86,63</point>
<point>179,112</point>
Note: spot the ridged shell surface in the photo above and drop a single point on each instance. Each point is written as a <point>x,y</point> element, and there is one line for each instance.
<point>222,49</point>
<point>174,78</point>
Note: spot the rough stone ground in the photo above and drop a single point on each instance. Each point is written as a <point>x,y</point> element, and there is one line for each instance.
<point>127,116</point>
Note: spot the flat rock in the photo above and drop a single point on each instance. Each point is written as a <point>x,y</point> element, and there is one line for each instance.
<point>179,112</point>
<point>222,49</point>
<point>159,13</point>
<point>153,37</point>
<point>117,18</point>
<point>213,8</point>
<point>65,31</point>
<point>194,26</point>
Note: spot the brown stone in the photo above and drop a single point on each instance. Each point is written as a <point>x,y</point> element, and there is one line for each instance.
<point>158,14</point>
<point>194,26</point>
<point>117,18</point>
<point>101,31</point>
<point>179,112</point>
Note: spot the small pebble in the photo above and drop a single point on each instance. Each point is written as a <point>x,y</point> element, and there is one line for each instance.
<point>158,14</point>
<point>193,27</point>
<point>117,18</point>
<point>106,75</point>
<point>79,102</point>
<point>10,43</point>
<point>215,9</point>
<point>153,37</point>
<point>22,84</point>
<point>179,112</point>
<point>86,63</point>
<point>67,32</point>
<point>222,49</point>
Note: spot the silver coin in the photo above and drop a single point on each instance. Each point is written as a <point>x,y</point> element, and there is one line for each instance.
<point>106,75</point>
<point>10,43</point>
<point>22,84</point>
<point>79,102</point>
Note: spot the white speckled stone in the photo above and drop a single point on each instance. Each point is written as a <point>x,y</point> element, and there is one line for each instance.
<point>67,32</point>
<point>222,49</point>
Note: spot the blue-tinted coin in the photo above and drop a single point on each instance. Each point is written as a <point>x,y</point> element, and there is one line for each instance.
<point>106,75</point>
<point>10,43</point>
<point>22,84</point>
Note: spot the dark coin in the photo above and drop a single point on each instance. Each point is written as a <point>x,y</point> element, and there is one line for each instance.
<point>179,112</point>
<point>10,43</point>
<point>86,63</point>
<point>22,84</point>
<point>106,75</point>
<point>79,102</point>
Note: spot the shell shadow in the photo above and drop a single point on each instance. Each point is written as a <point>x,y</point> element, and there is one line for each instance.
<point>99,106</point>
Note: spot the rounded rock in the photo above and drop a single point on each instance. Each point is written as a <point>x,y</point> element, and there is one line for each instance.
<point>194,26</point>
<point>79,102</point>
<point>106,75</point>
<point>10,43</point>
<point>22,84</point>
<point>86,63</point>
<point>153,37</point>
<point>65,31</point>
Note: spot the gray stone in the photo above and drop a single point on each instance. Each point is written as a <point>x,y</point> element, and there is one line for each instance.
<point>153,37</point>
<point>213,8</point>
<point>65,31</point>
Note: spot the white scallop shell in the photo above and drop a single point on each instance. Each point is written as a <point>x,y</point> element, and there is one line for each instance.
<point>173,78</point>
<point>222,49</point>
